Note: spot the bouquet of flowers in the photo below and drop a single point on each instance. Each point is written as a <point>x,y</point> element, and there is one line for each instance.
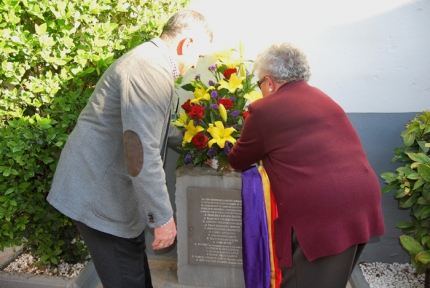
<point>212,121</point>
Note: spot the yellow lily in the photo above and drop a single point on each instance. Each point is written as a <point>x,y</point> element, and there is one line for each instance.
<point>181,120</point>
<point>253,96</point>
<point>227,58</point>
<point>200,94</point>
<point>242,69</point>
<point>242,66</point>
<point>241,49</point>
<point>220,134</point>
<point>191,131</point>
<point>233,83</point>
<point>223,112</point>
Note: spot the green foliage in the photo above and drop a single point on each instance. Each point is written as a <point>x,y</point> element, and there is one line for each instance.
<point>51,55</point>
<point>411,183</point>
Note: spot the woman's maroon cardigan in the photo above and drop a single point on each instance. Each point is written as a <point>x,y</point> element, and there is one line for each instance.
<point>323,184</point>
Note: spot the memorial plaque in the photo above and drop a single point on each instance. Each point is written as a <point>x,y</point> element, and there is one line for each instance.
<point>214,227</point>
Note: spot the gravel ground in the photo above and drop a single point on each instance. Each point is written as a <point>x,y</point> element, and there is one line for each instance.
<point>25,264</point>
<point>395,275</point>
<point>377,274</point>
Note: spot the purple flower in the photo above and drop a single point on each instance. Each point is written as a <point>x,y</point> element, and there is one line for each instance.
<point>188,157</point>
<point>211,83</point>
<point>234,113</point>
<point>214,94</point>
<point>233,98</point>
<point>213,106</point>
<point>212,67</point>
<point>197,76</point>
<point>211,152</point>
<point>197,122</point>
<point>227,148</point>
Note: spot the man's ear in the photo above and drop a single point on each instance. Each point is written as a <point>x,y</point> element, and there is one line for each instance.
<point>184,45</point>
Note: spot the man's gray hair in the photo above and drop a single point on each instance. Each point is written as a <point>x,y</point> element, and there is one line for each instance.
<point>186,20</point>
<point>282,62</point>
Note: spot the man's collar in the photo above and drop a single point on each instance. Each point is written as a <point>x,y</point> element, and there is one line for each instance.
<point>162,45</point>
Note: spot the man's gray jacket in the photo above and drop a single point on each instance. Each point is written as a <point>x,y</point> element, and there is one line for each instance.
<point>110,174</point>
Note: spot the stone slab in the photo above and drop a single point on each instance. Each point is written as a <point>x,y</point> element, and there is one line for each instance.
<point>202,275</point>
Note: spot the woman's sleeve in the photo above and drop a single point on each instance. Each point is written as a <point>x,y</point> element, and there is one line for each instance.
<point>249,148</point>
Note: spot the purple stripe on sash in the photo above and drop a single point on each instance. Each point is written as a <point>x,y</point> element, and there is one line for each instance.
<point>255,239</point>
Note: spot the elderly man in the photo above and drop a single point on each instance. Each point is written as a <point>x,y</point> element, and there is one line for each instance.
<point>110,176</point>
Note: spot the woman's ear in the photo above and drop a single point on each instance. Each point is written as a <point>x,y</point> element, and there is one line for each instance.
<point>184,45</point>
<point>270,84</point>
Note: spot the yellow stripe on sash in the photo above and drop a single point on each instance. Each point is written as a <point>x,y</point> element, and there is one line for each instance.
<point>266,189</point>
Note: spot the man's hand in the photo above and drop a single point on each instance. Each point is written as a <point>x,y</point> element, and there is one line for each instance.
<point>164,235</point>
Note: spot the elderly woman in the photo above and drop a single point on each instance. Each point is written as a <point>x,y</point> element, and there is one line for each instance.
<point>328,196</point>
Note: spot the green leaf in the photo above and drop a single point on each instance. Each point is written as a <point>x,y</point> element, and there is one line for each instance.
<point>404,225</point>
<point>423,145</point>
<point>425,212</point>
<point>423,201</point>
<point>423,257</point>
<point>188,87</point>
<point>389,188</point>
<point>409,202</point>
<point>24,185</point>
<point>400,193</point>
<point>405,170</point>
<point>54,260</point>
<point>413,176</point>
<point>426,191</point>
<point>40,30</point>
<point>44,258</point>
<point>411,245</point>
<point>100,43</point>
<point>10,190</point>
<point>420,158</point>
<point>418,184</point>
<point>408,138</point>
<point>48,160</point>
<point>388,176</point>
<point>6,172</point>
<point>424,171</point>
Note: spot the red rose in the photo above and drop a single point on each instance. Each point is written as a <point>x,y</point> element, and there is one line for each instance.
<point>200,141</point>
<point>197,112</point>
<point>245,114</point>
<point>227,72</point>
<point>187,106</point>
<point>226,103</point>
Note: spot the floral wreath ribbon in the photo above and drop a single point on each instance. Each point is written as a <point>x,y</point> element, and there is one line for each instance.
<point>260,264</point>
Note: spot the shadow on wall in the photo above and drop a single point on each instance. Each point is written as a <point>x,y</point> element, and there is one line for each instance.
<point>380,135</point>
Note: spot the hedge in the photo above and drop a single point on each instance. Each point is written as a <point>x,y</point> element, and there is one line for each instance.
<point>52,53</point>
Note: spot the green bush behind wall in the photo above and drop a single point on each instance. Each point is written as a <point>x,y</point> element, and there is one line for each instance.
<point>51,55</point>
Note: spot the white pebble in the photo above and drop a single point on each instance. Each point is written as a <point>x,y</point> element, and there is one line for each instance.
<point>395,275</point>
<point>25,264</point>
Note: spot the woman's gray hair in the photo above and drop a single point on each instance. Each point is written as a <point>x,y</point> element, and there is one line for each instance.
<point>282,62</point>
<point>186,20</point>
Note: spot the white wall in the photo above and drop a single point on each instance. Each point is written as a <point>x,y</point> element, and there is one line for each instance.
<point>368,55</point>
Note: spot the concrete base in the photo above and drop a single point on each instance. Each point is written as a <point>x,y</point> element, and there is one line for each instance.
<point>87,278</point>
<point>357,279</point>
<point>201,275</point>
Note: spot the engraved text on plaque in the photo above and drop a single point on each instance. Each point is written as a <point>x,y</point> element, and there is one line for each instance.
<point>214,227</point>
